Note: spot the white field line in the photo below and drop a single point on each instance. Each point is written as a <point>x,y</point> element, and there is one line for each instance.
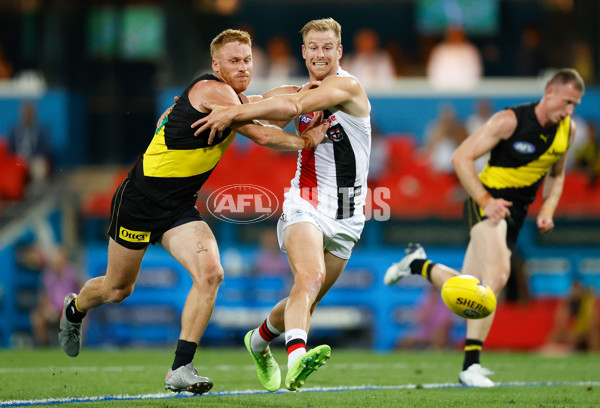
<point>29,403</point>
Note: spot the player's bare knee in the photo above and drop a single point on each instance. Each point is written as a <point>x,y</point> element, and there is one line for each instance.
<point>499,277</point>
<point>211,275</point>
<point>310,284</point>
<point>503,278</point>
<point>118,295</point>
<point>319,279</point>
<point>216,275</point>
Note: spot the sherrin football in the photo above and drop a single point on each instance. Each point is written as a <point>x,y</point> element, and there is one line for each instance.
<point>466,296</point>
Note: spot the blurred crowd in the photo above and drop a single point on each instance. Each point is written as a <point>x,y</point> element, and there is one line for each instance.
<point>58,276</point>
<point>452,62</point>
<point>26,156</point>
<point>576,327</point>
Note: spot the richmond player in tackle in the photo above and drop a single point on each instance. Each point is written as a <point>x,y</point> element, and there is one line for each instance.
<point>156,203</point>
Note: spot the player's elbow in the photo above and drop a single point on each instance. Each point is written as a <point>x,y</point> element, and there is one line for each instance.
<point>457,160</point>
<point>291,109</point>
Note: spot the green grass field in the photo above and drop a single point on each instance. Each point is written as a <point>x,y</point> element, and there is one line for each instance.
<point>402,379</point>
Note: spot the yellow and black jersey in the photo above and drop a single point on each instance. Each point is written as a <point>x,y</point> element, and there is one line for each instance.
<point>517,165</point>
<point>176,163</point>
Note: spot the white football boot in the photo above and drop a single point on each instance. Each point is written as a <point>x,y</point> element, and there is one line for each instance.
<point>401,269</point>
<point>475,376</point>
<point>186,378</point>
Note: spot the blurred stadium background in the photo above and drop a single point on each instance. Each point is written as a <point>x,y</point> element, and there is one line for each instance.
<point>99,73</point>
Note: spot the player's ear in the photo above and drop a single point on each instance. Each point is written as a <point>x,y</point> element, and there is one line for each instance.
<point>215,65</point>
<point>303,52</point>
<point>340,51</point>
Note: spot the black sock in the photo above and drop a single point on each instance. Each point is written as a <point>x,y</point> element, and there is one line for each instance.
<point>472,350</point>
<point>73,314</point>
<point>184,353</point>
<point>422,267</point>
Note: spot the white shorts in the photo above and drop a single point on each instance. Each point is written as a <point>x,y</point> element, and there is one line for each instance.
<point>339,236</point>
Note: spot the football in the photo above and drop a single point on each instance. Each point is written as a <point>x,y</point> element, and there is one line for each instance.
<point>466,296</point>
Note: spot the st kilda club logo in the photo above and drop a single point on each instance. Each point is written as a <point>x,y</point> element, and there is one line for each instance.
<point>242,203</point>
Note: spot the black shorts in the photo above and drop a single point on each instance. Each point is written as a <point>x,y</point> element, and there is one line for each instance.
<point>135,221</point>
<point>472,214</point>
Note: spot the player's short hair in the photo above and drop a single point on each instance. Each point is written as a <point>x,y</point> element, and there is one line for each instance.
<point>323,24</point>
<point>228,36</point>
<point>566,75</point>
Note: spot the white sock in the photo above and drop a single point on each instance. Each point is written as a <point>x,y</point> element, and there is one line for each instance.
<point>295,342</point>
<point>263,336</point>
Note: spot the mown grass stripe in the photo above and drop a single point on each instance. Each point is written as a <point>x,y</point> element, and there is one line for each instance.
<point>50,401</point>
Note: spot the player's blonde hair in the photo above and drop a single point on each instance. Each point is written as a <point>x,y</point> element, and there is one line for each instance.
<point>323,24</point>
<point>566,75</point>
<point>228,36</point>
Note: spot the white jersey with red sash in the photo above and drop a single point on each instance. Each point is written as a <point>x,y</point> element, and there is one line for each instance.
<point>333,175</point>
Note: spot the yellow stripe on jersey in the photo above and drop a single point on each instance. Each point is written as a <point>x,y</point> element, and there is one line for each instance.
<point>524,176</point>
<point>159,161</point>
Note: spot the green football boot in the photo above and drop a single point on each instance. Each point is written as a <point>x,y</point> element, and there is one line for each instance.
<point>267,368</point>
<point>305,366</point>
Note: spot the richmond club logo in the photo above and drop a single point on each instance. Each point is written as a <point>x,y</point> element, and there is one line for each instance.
<point>242,203</point>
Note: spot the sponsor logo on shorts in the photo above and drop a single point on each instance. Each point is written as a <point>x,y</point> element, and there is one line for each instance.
<point>242,203</point>
<point>298,215</point>
<point>134,236</point>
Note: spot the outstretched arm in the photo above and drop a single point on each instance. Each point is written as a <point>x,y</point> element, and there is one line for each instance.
<point>344,93</point>
<point>219,93</point>
<point>498,127</point>
<point>278,139</point>
<point>280,90</point>
<point>553,186</point>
